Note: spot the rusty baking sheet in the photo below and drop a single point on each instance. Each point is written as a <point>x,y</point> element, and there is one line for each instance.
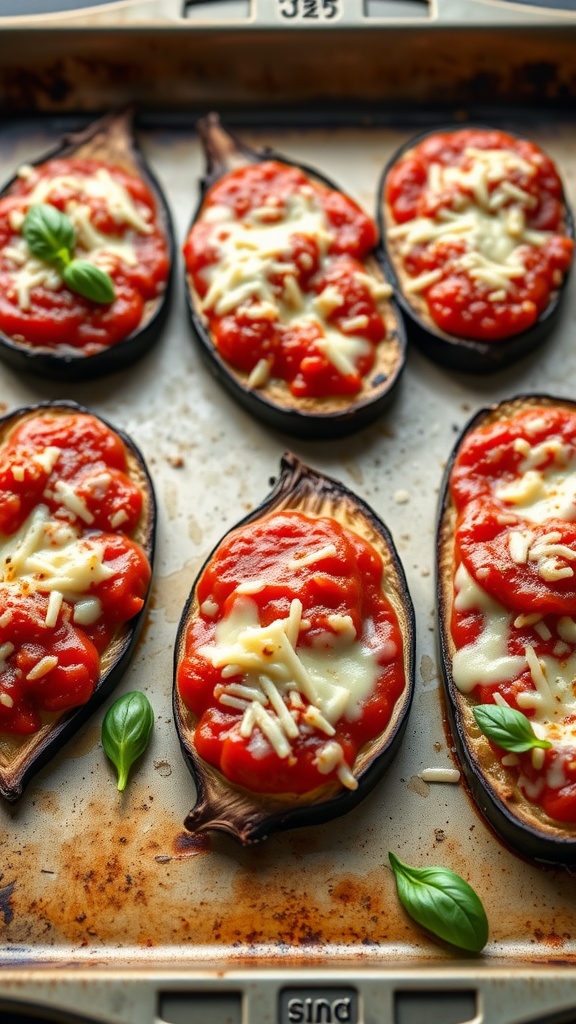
<point>97,879</point>
<point>88,872</point>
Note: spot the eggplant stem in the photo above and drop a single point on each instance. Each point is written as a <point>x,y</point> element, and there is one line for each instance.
<point>223,151</point>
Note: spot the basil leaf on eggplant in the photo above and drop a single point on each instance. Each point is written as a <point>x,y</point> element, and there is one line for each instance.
<point>250,816</point>
<point>272,400</point>
<point>522,824</point>
<point>458,351</point>
<point>21,756</point>
<point>49,233</point>
<point>90,281</point>
<point>109,139</point>
<point>508,728</point>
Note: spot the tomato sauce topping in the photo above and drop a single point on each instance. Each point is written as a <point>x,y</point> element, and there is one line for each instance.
<point>318,587</point>
<point>513,485</point>
<point>277,260</point>
<point>479,228</point>
<point>70,571</point>
<point>116,226</point>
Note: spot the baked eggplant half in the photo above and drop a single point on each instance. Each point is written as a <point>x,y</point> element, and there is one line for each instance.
<point>507,619</point>
<point>294,662</point>
<point>86,255</point>
<point>477,239</point>
<point>286,299</point>
<point>77,525</point>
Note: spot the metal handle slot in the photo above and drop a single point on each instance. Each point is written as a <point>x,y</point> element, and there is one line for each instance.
<point>200,1008</point>
<point>397,9</point>
<point>29,1014</point>
<point>436,1007</point>
<point>216,10</point>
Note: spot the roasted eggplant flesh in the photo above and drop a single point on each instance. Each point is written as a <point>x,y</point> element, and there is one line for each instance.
<point>113,221</point>
<point>77,522</point>
<point>507,613</point>
<point>314,706</point>
<point>286,298</point>
<point>477,238</point>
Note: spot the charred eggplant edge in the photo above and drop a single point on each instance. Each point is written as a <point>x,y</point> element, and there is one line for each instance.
<point>123,645</point>
<point>251,817</point>
<point>464,354</point>
<point>290,414</point>
<point>522,825</point>
<point>73,365</point>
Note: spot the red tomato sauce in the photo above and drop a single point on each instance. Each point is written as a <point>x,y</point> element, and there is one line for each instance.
<point>59,318</point>
<point>458,301</point>
<point>55,667</point>
<point>292,347</point>
<point>345,581</point>
<point>490,459</point>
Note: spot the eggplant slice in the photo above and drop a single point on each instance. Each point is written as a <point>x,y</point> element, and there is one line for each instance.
<point>307,417</point>
<point>522,825</point>
<point>22,756</point>
<point>111,139</point>
<point>459,353</point>
<point>248,816</point>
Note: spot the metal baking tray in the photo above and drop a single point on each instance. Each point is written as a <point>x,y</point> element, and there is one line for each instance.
<point>109,910</point>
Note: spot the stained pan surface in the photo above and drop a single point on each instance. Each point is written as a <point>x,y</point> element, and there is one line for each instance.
<point>91,877</point>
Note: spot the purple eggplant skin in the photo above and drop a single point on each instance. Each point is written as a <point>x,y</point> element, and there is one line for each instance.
<point>116,658</point>
<point>103,139</point>
<point>251,817</point>
<point>464,354</point>
<point>311,419</point>
<point>524,830</point>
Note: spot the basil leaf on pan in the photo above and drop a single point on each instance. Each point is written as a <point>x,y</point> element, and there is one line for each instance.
<point>49,233</point>
<point>509,728</point>
<point>126,731</point>
<point>90,281</point>
<point>442,902</point>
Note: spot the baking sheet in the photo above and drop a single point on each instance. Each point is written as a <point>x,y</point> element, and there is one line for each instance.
<point>91,876</point>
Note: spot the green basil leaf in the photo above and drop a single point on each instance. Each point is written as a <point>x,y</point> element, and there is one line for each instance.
<point>90,281</point>
<point>509,728</point>
<point>49,233</point>
<point>126,731</point>
<point>442,902</point>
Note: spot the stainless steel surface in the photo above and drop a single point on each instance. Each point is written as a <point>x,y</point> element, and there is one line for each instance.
<point>269,12</point>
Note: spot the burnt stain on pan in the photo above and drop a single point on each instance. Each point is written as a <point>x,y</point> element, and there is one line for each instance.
<point>188,844</point>
<point>121,882</point>
<point>5,901</point>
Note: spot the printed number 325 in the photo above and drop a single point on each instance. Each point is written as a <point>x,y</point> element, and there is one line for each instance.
<point>326,9</point>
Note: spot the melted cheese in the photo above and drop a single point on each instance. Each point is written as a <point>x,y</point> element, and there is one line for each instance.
<point>48,555</point>
<point>488,213</point>
<point>266,675</point>
<point>102,249</point>
<point>544,489</point>
<point>251,251</point>
<point>552,701</point>
<point>486,660</point>
<point>547,493</point>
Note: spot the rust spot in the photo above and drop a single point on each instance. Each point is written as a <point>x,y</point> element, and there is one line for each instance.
<point>551,939</point>
<point>6,908</point>
<point>187,844</point>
